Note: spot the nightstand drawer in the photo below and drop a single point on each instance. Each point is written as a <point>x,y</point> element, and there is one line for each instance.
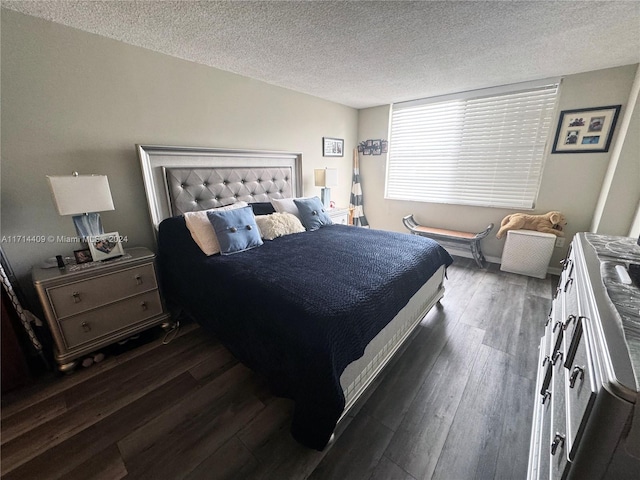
<point>78,297</point>
<point>91,325</point>
<point>339,215</point>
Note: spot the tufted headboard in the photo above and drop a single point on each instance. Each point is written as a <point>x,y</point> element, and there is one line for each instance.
<point>187,179</point>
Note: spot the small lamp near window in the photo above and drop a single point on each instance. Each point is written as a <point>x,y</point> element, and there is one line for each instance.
<point>326,178</point>
<point>82,196</point>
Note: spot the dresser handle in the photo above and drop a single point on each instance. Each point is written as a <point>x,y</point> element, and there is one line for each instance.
<point>558,324</point>
<point>565,263</point>
<point>575,341</point>
<point>86,327</point>
<point>547,358</point>
<point>570,318</point>
<point>558,441</point>
<point>138,280</point>
<point>556,356</point>
<point>567,283</point>
<point>76,297</point>
<point>577,370</point>
<point>546,396</point>
<point>144,305</point>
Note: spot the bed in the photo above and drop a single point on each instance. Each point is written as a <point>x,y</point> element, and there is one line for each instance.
<point>317,313</point>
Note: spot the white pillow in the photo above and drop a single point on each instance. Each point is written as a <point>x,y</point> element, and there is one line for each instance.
<point>278,225</point>
<point>287,205</point>
<point>202,231</point>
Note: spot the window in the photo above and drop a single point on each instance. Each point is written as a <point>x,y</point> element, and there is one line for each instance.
<point>477,148</point>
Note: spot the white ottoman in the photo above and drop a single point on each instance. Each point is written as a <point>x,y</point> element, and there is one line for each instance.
<point>527,252</point>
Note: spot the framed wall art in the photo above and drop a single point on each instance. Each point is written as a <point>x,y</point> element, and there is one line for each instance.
<point>586,130</point>
<point>373,147</point>
<point>332,147</point>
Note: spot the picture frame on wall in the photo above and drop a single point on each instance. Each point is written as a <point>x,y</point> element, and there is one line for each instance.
<point>105,246</point>
<point>586,130</point>
<point>376,147</point>
<point>332,147</point>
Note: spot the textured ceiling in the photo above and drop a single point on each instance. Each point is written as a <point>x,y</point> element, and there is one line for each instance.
<point>363,53</point>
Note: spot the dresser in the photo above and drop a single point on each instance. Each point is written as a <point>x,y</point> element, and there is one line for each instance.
<point>586,409</point>
<point>89,306</point>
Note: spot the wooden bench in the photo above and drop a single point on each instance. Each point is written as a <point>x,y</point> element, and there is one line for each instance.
<point>471,240</point>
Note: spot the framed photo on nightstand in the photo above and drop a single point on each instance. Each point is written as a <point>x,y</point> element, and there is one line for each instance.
<point>82,256</point>
<point>105,246</point>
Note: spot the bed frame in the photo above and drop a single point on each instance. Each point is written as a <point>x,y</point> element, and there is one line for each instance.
<point>183,179</point>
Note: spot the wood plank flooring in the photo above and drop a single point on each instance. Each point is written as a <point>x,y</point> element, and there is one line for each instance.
<point>456,404</point>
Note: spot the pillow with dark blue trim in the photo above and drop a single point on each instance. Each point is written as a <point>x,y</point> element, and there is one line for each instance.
<point>312,213</point>
<point>236,230</point>
<point>262,208</point>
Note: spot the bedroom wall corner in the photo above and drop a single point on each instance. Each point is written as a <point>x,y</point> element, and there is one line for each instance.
<point>570,183</point>
<point>77,101</point>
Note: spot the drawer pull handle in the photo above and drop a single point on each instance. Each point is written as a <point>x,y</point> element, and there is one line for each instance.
<point>558,441</point>
<point>556,356</point>
<point>570,318</point>
<point>76,297</point>
<point>567,283</point>
<point>547,358</point>
<point>577,371</point>
<point>144,305</point>
<point>138,280</point>
<point>565,263</point>
<point>86,327</point>
<point>558,324</point>
<point>546,396</point>
<point>575,342</point>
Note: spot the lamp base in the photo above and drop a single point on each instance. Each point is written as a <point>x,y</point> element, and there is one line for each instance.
<point>88,225</point>
<point>325,196</point>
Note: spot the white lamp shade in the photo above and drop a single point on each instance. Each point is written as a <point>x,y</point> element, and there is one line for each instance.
<point>76,194</point>
<point>326,177</point>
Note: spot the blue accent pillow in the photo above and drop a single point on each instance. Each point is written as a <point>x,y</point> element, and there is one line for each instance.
<point>236,230</point>
<point>312,213</point>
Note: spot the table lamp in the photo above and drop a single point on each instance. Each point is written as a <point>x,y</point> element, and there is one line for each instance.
<point>326,178</point>
<point>82,196</point>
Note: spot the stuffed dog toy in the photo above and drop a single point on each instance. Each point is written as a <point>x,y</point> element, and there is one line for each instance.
<point>552,222</point>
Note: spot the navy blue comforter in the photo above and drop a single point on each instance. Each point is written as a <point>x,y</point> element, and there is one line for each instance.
<point>299,308</point>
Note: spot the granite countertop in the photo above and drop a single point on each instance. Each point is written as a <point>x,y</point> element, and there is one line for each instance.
<point>613,251</point>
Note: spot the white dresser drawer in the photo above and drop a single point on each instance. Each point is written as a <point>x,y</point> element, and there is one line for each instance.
<point>581,389</point>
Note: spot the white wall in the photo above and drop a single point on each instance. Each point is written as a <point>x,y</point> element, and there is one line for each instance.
<point>619,196</point>
<point>76,101</point>
<point>570,183</point>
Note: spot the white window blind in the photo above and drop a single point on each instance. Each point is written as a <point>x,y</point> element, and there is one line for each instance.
<point>479,148</point>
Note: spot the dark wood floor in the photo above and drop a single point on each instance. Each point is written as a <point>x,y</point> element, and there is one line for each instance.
<point>455,405</point>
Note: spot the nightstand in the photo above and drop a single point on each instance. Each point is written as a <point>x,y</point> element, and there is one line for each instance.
<point>339,215</point>
<point>89,306</point>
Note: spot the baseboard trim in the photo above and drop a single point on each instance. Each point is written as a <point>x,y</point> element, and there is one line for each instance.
<point>466,254</point>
